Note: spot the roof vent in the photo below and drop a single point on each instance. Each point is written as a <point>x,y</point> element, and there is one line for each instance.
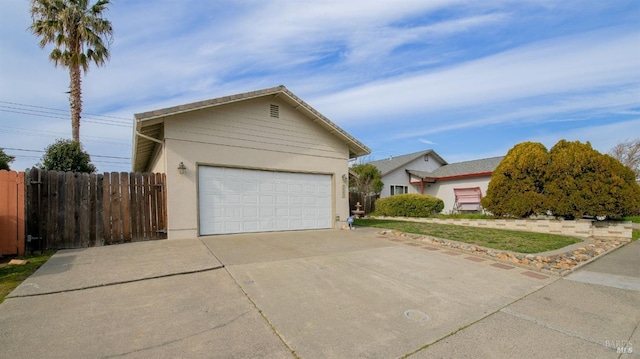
<point>274,111</point>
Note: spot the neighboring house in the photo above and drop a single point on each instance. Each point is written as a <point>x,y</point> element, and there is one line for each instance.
<point>394,171</point>
<point>253,162</point>
<point>460,185</point>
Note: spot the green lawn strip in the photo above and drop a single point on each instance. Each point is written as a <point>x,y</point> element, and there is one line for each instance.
<point>515,241</point>
<point>12,275</point>
<point>634,219</point>
<point>635,235</point>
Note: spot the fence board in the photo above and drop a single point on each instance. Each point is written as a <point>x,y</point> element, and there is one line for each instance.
<point>92,194</point>
<point>106,208</point>
<point>132,205</point>
<point>12,211</point>
<point>99,237</point>
<point>69,210</point>
<point>126,209</point>
<point>84,232</point>
<point>153,198</point>
<point>146,204</point>
<point>162,214</point>
<point>52,221</point>
<point>139,213</point>
<point>115,208</point>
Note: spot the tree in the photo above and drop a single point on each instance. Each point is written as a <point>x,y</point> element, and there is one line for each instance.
<point>5,159</point>
<point>368,180</point>
<point>583,182</point>
<point>571,180</point>
<point>68,156</point>
<point>517,184</point>
<point>628,153</point>
<point>80,35</point>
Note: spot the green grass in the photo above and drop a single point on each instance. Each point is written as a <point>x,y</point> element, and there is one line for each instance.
<point>12,275</point>
<point>516,241</point>
<point>634,219</point>
<point>635,235</point>
<point>464,216</point>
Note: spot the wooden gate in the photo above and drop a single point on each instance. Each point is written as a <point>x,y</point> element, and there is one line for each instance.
<point>75,210</point>
<point>11,213</point>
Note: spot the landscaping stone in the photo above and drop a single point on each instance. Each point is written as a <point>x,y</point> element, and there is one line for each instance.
<point>562,263</point>
<point>18,262</point>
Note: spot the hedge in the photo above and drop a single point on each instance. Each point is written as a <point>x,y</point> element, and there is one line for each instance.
<point>409,205</point>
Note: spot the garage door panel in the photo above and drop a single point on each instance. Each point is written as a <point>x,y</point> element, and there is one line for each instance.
<point>250,199</point>
<point>267,200</point>
<point>236,200</point>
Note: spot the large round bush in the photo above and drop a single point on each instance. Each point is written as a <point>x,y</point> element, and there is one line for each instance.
<point>409,205</point>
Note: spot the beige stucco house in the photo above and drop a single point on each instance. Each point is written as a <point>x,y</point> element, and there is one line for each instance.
<point>460,185</point>
<point>252,162</point>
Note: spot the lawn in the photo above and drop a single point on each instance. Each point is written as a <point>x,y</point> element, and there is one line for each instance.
<point>516,241</point>
<point>634,219</point>
<point>12,275</point>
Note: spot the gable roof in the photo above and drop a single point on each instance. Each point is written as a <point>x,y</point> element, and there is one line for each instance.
<point>481,167</point>
<point>391,164</point>
<point>148,127</point>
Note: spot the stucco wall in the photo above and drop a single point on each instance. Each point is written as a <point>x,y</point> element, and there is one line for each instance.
<point>244,135</point>
<point>158,161</point>
<point>444,189</point>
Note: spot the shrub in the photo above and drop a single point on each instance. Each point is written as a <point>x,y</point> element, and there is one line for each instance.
<point>409,205</point>
<point>517,184</point>
<point>583,182</point>
<point>571,180</point>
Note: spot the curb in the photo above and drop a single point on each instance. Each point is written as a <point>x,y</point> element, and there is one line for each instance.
<point>472,249</point>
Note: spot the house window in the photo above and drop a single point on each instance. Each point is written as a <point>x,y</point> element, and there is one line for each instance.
<point>398,190</point>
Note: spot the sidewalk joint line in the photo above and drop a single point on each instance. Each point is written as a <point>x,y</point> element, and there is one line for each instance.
<point>115,283</point>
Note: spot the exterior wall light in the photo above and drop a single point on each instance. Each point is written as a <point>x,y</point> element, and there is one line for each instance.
<point>344,178</point>
<point>182,168</point>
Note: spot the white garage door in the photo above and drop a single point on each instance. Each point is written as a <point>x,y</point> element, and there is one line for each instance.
<point>236,200</point>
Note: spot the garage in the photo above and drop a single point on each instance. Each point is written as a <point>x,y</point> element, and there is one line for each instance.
<point>236,200</point>
<point>257,161</point>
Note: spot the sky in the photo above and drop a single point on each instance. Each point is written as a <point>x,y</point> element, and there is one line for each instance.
<point>467,79</point>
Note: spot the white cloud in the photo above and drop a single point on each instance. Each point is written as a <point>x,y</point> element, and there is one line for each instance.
<point>427,142</point>
<point>577,63</point>
<point>602,137</point>
<point>572,108</point>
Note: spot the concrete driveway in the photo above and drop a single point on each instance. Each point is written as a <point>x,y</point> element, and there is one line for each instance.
<point>311,294</point>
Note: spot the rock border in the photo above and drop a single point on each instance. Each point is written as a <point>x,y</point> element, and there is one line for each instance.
<point>558,264</point>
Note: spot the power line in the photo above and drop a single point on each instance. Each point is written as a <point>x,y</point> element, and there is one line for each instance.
<point>127,120</point>
<point>50,115</point>
<point>101,156</point>
<point>42,133</point>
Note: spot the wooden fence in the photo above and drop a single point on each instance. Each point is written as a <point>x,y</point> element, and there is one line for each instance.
<point>11,213</point>
<point>368,202</point>
<point>75,210</point>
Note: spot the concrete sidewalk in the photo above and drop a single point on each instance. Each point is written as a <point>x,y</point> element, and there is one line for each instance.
<point>76,269</point>
<point>592,313</point>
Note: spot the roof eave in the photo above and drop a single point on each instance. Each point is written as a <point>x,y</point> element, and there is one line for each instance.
<point>356,148</point>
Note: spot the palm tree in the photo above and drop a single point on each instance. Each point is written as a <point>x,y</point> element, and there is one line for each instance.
<point>80,35</point>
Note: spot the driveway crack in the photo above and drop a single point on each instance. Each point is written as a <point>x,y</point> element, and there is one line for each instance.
<point>182,338</point>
